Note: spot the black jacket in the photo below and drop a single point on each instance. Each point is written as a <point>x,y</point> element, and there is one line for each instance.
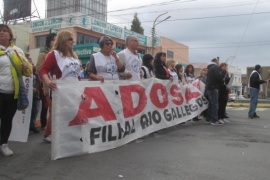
<point>214,77</point>
<point>223,90</point>
<point>160,72</point>
<point>254,81</point>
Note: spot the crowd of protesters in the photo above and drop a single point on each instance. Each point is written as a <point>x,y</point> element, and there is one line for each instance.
<point>58,61</point>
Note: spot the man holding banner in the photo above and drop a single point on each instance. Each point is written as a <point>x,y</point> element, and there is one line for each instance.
<point>131,59</point>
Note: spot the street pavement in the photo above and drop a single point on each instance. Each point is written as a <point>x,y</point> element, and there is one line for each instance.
<point>239,150</point>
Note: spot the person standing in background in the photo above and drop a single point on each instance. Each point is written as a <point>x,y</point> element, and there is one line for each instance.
<point>12,62</point>
<point>131,59</point>
<point>171,66</point>
<point>179,71</point>
<point>35,99</point>
<point>44,90</point>
<point>255,86</point>
<point>213,82</point>
<point>147,69</point>
<point>160,68</point>
<point>189,73</point>
<point>223,93</point>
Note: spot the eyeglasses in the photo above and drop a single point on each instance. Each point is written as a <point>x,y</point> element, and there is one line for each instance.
<point>108,43</point>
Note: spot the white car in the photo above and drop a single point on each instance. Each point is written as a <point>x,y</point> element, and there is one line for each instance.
<point>241,97</point>
<point>232,97</point>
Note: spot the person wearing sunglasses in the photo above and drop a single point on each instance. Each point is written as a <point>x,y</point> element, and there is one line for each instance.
<point>131,59</point>
<point>104,65</point>
<point>61,63</point>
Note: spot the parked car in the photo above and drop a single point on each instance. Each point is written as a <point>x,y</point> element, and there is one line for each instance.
<point>241,97</point>
<point>232,97</point>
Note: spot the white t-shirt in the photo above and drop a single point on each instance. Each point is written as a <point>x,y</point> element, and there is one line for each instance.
<point>174,75</point>
<point>132,63</point>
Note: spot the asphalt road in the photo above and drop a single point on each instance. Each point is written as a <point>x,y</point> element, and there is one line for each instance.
<point>239,150</point>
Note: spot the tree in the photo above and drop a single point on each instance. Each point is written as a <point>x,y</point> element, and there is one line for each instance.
<point>136,25</point>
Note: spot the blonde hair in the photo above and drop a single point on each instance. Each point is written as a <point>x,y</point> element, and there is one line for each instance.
<point>60,44</point>
<point>203,69</point>
<point>170,63</point>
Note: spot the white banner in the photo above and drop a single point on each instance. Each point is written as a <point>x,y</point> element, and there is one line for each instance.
<point>89,117</point>
<point>21,120</point>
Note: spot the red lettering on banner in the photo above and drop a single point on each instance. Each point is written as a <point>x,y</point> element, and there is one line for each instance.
<point>190,95</point>
<point>103,107</point>
<point>127,101</point>
<point>176,93</point>
<point>155,98</point>
<point>197,84</point>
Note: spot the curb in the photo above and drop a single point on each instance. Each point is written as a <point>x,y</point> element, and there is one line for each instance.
<point>247,105</point>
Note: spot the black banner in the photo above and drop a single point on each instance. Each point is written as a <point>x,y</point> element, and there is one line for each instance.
<point>16,9</point>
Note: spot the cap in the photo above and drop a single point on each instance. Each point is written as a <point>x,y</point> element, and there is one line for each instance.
<point>103,40</point>
<point>147,58</point>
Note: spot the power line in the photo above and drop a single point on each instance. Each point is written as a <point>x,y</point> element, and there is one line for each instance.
<point>210,17</point>
<point>246,28</point>
<point>195,9</point>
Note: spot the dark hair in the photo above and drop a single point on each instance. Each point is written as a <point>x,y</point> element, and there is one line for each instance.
<point>49,38</point>
<point>258,67</point>
<point>214,60</point>
<point>2,26</point>
<point>147,59</point>
<point>103,39</point>
<point>186,70</point>
<point>177,67</point>
<point>158,60</point>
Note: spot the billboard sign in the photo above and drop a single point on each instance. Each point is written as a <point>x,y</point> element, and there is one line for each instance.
<point>16,9</point>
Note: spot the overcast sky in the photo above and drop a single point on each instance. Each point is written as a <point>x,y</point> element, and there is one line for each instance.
<point>210,28</point>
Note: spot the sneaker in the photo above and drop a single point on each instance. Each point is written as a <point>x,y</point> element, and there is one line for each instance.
<point>47,139</point>
<point>256,116</point>
<point>221,121</point>
<point>34,130</point>
<point>225,116</point>
<point>207,121</point>
<point>250,117</point>
<point>6,151</point>
<point>217,123</point>
<point>226,120</point>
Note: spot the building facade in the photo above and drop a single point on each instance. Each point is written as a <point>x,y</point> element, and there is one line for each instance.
<point>94,8</point>
<point>87,32</point>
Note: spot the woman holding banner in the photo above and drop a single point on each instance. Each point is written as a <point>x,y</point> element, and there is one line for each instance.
<point>160,68</point>
<point>62,63</point>
<point>12,60</point>
<point>105,64</point>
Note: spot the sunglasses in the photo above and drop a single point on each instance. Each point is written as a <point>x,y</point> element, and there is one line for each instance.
<point>70,39</point>
<point>108,43</point>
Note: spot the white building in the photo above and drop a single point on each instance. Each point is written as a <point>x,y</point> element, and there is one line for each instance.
<point>94,8</point>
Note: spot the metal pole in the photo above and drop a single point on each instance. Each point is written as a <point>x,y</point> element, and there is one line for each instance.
<point>154,30</point>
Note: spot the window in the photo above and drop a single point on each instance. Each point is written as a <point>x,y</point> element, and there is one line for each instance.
<point>120,46</point>
<point>141,51</point>
<point>40,41</point>
<point>85,39</point>
<point>169,54</point>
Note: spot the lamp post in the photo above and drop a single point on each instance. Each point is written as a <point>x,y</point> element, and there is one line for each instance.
<point>154,30</point>
<point>230,58</point>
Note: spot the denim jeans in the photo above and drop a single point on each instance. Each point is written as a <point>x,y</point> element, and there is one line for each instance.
<point>254,95</point>
<point>212,111</point>
<point>34,112</point>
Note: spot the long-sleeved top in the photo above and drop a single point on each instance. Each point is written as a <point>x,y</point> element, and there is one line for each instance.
<point>255,80</point>
<point>161,72</point>
<point>61,67</point>
<point>214,77</point>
